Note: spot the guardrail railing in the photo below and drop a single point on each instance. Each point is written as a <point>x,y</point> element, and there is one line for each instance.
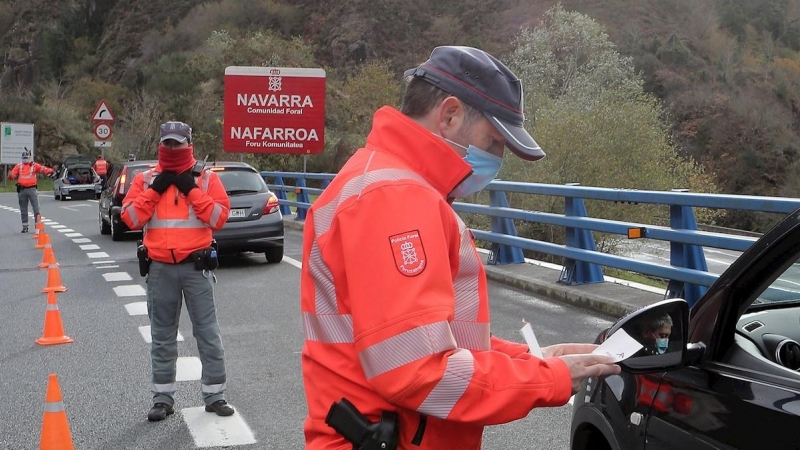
<point>687,273</point>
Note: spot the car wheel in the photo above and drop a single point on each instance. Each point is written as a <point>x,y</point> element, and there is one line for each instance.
<point>116,233</point>
<point>274,254</point>
<point>104,227</point>
<point>62,197</point>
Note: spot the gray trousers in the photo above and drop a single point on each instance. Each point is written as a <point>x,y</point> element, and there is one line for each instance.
<point>26,195</point>
<point>167,286</point>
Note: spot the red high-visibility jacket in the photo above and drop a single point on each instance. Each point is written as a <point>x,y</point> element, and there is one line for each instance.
<point>175,225</point>
<point>26,172</point>
<point>101,167</point>
<point>395,304</point>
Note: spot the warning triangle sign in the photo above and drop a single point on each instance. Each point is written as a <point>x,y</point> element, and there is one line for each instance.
<point>102,113</point>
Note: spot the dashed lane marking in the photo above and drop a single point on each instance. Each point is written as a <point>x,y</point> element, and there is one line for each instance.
<point>90,247</point>
<point>66,230</point>
<point>293,262</point>
<point>145,332</point>
<point>56,226</point>
<point>97,255</point>
<point>72,235</point>
<point>106,267</point>
<point>117,276</point>
<point>188,368</point>
<point>210,430</point>
<point>129,290</point>
<point>136,308</point>
<point>103,262</point>
<point>81,240</point>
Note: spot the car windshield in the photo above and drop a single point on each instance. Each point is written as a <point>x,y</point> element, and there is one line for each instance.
<point>240,182</point>
<point>785,288</point>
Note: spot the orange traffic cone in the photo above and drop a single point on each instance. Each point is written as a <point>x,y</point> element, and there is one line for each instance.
<point>39,227</point>
<point>43,239</point>
<point>55,427</point>
<point>53,328</point>
<point>54,280</point>
<point>48,257</point>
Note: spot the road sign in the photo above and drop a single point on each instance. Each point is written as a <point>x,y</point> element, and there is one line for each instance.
<point>15,138</point>
<point>103,131</point>
<point>274,110</point>
<point>102,144</point>
<point>102,113</point>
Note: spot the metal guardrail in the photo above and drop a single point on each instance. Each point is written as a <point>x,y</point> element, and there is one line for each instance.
<point>687,274</point>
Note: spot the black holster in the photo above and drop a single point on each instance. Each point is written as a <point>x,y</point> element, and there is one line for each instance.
<point>206,258</point>
<point>348,421</point>
<point>144,259</point>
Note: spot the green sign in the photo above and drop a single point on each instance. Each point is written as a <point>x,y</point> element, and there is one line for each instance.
<point>7,131</point>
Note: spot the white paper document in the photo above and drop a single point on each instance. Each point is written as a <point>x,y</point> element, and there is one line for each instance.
<point>530,339</point>
<point>619,346</point>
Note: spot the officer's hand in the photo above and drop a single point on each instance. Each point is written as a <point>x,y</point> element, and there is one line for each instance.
<point>557,350</point>
<point>163,181</point>
<point>582,367</point>
<point>185,182</point>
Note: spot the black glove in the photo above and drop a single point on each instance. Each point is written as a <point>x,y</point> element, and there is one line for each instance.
<point>163,181</point>
<point>185,182</point>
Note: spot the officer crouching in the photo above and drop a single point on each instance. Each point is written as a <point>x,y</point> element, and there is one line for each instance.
<point>178,204</point>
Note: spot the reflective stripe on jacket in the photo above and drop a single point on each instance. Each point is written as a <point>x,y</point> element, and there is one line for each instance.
<point>25,174</point>
<point>175,225</point>
<point>395,304</point>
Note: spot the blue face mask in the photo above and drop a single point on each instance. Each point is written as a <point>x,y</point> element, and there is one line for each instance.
<point>661,345</point>
<point>484,169</point>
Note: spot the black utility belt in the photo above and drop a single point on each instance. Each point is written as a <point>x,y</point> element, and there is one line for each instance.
<point>203,259</point>
<point>20,187</point>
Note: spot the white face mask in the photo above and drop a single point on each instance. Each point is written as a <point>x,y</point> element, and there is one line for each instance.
<point>485,167</point>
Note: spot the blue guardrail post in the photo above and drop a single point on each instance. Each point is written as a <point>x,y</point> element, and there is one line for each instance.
<point>579,272</point>
<point>688,256</point>
<point>302,197</point>
<point>285,209</point>
<point>501,253</point>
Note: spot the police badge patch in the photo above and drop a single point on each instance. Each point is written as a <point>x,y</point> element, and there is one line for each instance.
<point>409,254</point>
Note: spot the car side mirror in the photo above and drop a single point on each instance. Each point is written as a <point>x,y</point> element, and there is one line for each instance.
<point>662,329</point>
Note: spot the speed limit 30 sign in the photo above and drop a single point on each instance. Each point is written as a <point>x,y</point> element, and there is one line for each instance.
<point>103,131</point>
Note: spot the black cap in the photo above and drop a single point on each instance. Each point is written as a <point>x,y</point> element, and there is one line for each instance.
<point>177,131</point>
<point>486,84</point>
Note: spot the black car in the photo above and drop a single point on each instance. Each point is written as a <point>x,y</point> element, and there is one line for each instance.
<point>255,222</point>
<point>723,377</point>
<point>119,181</point>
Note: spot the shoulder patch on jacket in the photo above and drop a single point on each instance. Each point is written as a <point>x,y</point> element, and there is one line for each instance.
<point>409,253</point>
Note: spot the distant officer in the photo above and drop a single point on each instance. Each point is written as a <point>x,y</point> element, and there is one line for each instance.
<point>178,207</point>
<point>101,168</point>
<point>25,173</point>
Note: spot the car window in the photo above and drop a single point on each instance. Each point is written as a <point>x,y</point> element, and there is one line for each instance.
<point>239,182</point>
<point>785,288</point>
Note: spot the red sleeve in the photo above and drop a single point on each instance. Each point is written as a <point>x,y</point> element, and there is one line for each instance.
<point>401,322</point>
<point>14,173</point>
<point>512,349</point>
<point>139,204</point>
<point>211,207</point>
<point>38,168</point>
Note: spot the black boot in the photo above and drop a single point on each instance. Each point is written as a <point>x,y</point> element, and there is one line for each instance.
<point>159,412</point>
<point>221,407</point>
<point>24,228</point>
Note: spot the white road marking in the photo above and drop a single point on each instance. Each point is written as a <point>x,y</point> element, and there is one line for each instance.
<point>81,240</point>
<point>188,368</point>
<point>129,290</point>
<point>66,230</point>
<point>145,332</point>
<point>571,399</point>
<point>90,247</point>
<point>117,276</point>
<point>137,308</point>
<point>293,262</point>
<point>67,207</point>
<point>103,262</point>
<point>106,267</point>
<point>97,255</point>
<point>210,430</point>
<point>72,235</point>
<point>56,226</point>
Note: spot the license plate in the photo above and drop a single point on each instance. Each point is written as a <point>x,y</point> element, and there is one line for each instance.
<point>238,213</point>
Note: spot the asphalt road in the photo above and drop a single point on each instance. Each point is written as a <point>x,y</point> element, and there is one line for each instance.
<point>104,374</point>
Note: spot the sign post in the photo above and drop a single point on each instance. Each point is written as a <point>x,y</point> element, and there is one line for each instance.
<point>274,110</point>
<point>102,119</point>
<point>15,138</point>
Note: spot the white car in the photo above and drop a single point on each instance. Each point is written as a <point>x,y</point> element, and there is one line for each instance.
<point>77,179</point>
